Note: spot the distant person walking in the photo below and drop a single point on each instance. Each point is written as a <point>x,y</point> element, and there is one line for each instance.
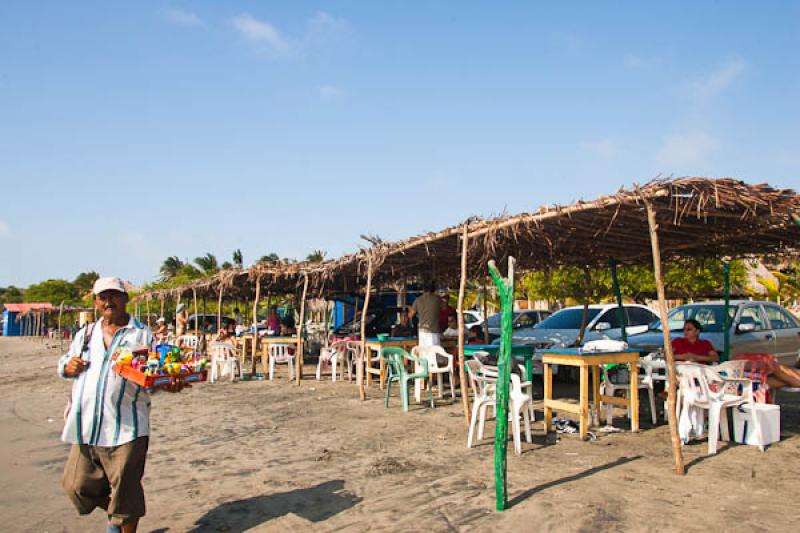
<point>426,308</point>
<point>108,418</point>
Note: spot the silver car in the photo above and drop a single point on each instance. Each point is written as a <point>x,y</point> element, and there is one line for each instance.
<point>561,329</point>
<point>755,327</point>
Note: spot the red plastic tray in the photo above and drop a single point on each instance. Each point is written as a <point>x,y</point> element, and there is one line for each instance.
<point>149,382</point>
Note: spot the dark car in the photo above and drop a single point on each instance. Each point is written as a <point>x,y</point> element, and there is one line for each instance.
<point>379,320</point>
<point>521,319</point>
<point>755,327</point>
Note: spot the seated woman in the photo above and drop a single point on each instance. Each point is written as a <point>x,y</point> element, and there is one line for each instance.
<point>691,348</point>
<point>475,335</point>
<point>226,335</point>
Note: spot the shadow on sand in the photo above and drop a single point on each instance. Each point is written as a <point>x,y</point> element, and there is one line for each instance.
<point>586,473</point>
<point>316,504</point>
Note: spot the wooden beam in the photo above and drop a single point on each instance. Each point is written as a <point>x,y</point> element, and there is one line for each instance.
<point>672,376</point>
<point>255,326</point>
<point>364,356</point>
<point>462,376</point>
<point>298,356</point>
<point>219,307</point>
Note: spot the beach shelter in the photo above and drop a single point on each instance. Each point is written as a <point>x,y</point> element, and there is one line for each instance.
<point>18,319</point>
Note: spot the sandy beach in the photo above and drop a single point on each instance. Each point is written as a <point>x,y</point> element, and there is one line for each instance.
<point>267,456</point>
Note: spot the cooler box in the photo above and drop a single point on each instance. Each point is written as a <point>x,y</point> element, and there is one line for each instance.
<point>769,422</point>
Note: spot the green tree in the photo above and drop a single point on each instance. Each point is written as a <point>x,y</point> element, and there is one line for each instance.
<point>84,282</point>
<point>208,264</point>
<point>9,295</point>
<point>227,265</point>
<point>238,259</point>
<point>54,291</point>
<point>269,258</point>
<point>170,267</point>
<point>316,256</point>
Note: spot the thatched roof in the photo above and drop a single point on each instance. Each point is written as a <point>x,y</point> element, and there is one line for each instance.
<point>696,216</point>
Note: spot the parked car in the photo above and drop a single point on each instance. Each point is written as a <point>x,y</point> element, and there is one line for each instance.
<point>562,327</point>
<point>755,327</point>
<point>472,318</point>
<point>521,320</point>
<point>379,320</point>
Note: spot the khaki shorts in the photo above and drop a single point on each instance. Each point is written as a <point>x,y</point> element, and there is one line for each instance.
<point>109,478</point>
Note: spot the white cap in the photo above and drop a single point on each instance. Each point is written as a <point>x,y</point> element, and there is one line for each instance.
<point>108,284</point>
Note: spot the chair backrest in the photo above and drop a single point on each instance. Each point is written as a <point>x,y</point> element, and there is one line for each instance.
<point>431,353</point>
<point>222,351</point>
<point>732,370</point>
<point>694,385</point>
<point>354,349</point>
<point>483,378</point>
<point>187,341</point>
<point>279,350</point>
<point>335,348</point>
<point>393,356</point>
<point>757,366</point>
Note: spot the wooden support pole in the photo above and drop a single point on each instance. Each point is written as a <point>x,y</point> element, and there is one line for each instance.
<point>485,313</point>
<point>60,333</point>
<point>219,308</point>
<point>612,264</point>
<point>255,326</point>
<point>726,345</point>
<point>462,376</point>
<point>298,356</point>
<point>201,338</point>
<point>585,316</point>
<point>162,308</point>
<point>672,387</point>
<point>364,355</point>
<point>147,310</point>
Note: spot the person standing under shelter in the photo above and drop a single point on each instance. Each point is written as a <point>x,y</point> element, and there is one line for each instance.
<point>181,320</point>
<point>108,418</point>
<point>426,309</point>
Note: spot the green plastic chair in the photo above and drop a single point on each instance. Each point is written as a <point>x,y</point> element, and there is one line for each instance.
<point>393,357</point>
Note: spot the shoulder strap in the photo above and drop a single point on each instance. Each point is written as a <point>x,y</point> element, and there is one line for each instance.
<point>87,337</point>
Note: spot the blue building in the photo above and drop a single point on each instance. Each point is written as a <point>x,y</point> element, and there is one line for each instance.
<point>15,319</point>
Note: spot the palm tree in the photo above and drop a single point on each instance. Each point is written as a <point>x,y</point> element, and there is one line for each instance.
<point>238,260</point>
<point>316,256</point>
<point>227,265</point>
<point>170,267</point>
<point>207,263</point>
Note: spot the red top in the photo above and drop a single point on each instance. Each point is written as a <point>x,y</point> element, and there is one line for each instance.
<point>699,347</point>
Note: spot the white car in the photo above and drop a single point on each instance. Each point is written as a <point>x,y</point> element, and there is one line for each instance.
<point>472,318</point>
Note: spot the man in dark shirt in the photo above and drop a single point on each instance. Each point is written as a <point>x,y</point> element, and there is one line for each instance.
<point>403,328</point>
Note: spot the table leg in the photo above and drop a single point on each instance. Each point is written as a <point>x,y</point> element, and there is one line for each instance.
<point>634,397</point>
<point>383,370</point>
<point>548,395</point>
<point>584,402</point>
<point>264,360</point>
<point>368,365</point>
<point>596,395</point>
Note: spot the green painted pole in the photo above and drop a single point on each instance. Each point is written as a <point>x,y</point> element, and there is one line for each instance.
<point>618,293</point>
<point>726,269</point>
<point>506,289</point>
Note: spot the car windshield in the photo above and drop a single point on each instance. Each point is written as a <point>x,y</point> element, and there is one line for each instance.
<point>567,319</point>
<point>711,317</point>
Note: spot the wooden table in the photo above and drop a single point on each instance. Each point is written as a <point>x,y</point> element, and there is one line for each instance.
<point>294,341</point>
<point>518,351</point>
<point>584,361</point>
<point>375,344</point>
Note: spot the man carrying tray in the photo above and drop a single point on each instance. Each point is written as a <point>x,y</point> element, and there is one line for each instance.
<point>108,419</point>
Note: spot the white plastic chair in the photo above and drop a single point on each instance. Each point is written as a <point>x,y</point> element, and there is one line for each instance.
<point>485,379</point>
<point>224,357</point>
<point>279,354</point>
<point>353,358</point>
<point>709,388</point>
<point>187,341</point>
<point>646,379</point>
<point>527,388</point>
<point>435,366</point>
<point>331,357</point>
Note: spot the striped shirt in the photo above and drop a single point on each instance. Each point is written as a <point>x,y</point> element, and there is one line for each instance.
<point>107,409</point>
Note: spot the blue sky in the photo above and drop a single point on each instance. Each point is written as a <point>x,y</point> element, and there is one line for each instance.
<point>130,131</point>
